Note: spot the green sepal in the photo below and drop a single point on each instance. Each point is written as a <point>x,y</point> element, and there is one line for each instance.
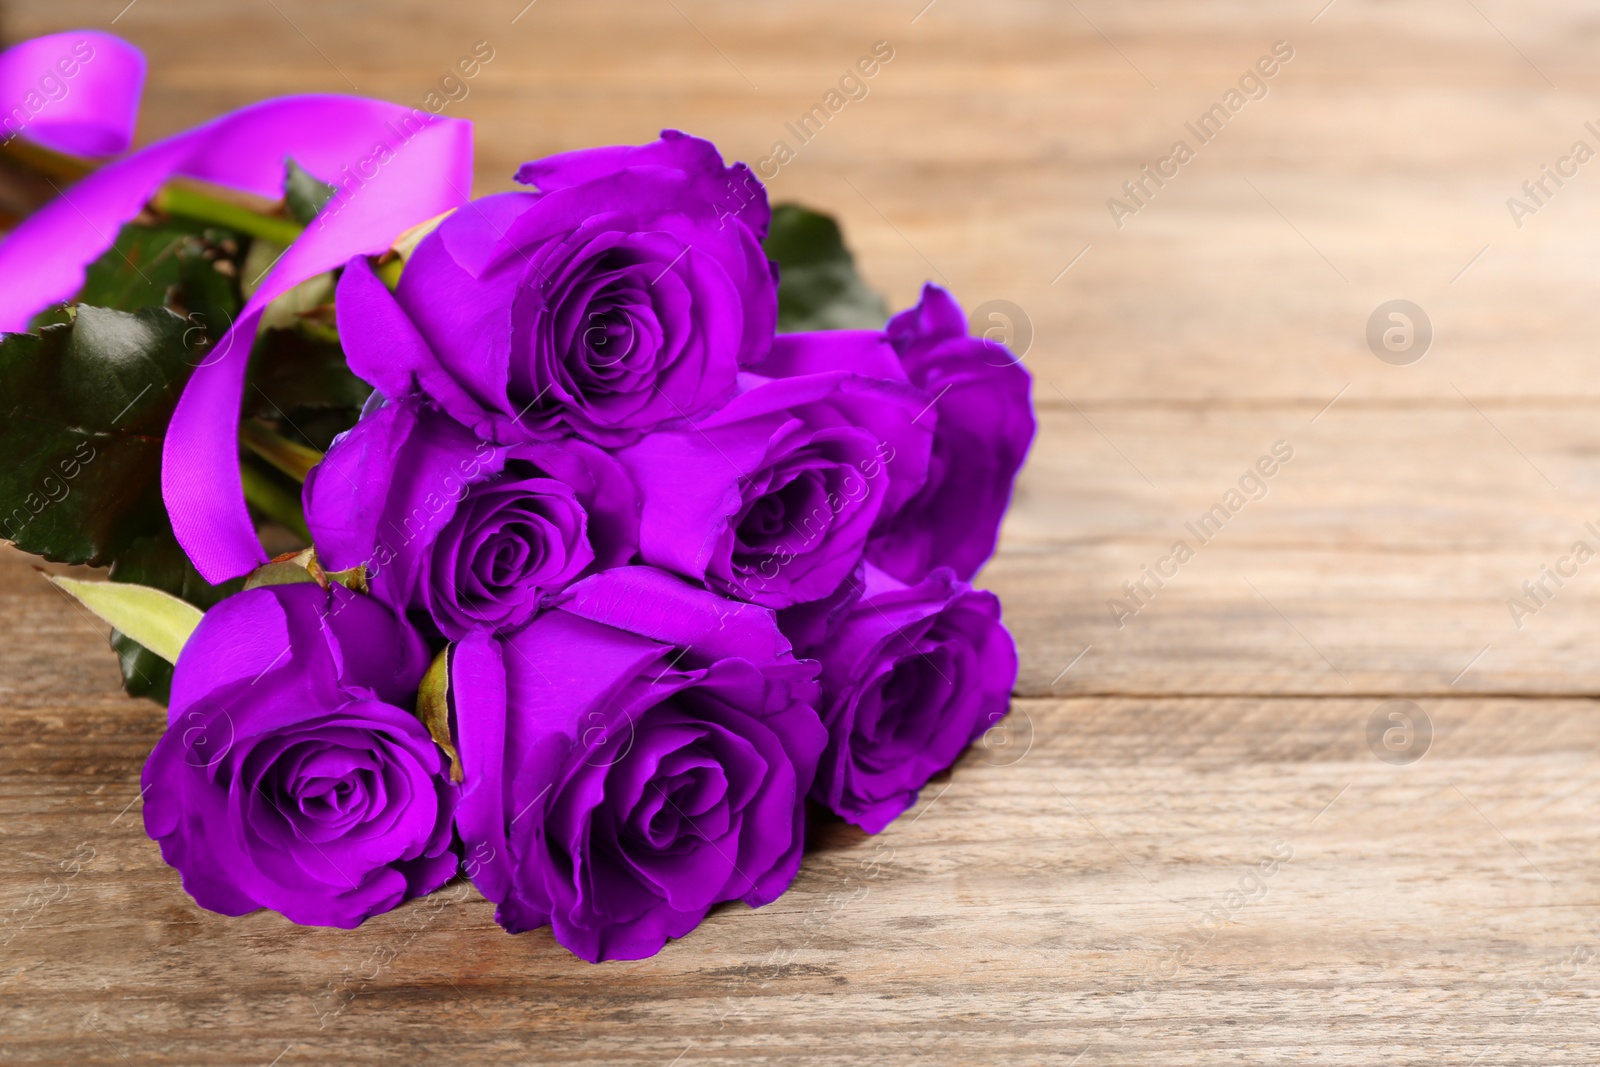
<point>433,708</point>
<point>303,566</point>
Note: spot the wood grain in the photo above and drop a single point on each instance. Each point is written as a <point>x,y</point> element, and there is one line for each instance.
<point>1071,891</point>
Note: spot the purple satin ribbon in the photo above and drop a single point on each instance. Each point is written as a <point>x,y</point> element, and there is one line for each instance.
<point>395,167</point>
<point>74,92</point>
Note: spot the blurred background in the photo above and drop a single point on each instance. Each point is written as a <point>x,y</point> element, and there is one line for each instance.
<point>1173,339</point>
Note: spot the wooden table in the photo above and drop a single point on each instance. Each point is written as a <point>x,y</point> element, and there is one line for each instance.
<point>1088,889</point>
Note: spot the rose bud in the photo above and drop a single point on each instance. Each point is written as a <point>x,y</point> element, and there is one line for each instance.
<point>771,498</point>
<point>910,677</point>
<point>292,775</point>
<point>460,533</point>
<point>631,759</point>
<point>623,294</point>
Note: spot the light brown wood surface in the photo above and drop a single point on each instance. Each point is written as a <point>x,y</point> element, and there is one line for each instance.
<point>1068,894</point>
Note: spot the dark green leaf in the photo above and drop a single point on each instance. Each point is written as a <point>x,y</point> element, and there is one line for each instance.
<point>208,288</point>
<point>159,562</point>
<point>317,427</point>
<point>139,269</point>
<point>303,388</point>
<point>144,674</point>
<point>55,315</point>
<point>291,371</point>
<point>818,287</point>
<point>153,265</point>
<point>304,194</point>
<point>173,263</point>
<point>83,414</point>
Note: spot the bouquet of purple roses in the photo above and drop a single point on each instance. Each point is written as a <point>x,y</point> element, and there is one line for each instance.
<point>581,539</point>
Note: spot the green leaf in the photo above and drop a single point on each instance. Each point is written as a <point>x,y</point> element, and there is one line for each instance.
<point>144,674</point>
<point>304,194</point>
<point>83,415</point>
<point>258,262</point>
<point>139,269</point>
<point>291,371</point>
<point>171,263</point>
<point>287,310</point>
<point>818,287</point>
<point>158,621</point>
<point>159,562</point>
<point>208,280</point>
<point>302,390</point>
<point>54,315</point>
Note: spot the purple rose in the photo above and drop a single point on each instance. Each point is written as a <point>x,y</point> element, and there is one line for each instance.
<point>910,677</point>
<point>291,776</point>
<point>810,624</point>
<point>632,759</point>
<point>622,295</point>
<point>461,533</point>
<point>771,498</point>
<point>976,396</point>
<point>985,426</point>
